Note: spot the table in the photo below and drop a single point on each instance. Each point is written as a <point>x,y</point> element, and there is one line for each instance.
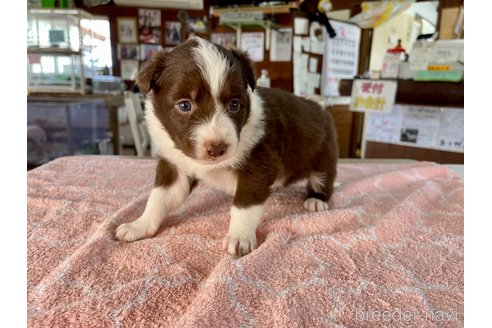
<point>112,103</point>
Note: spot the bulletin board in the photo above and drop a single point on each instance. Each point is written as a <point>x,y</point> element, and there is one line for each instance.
<point>439,128</point>
<point>308,47</point>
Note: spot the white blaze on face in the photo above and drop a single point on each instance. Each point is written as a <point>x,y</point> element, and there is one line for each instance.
<point>212,63</point>
<point>220,128</point>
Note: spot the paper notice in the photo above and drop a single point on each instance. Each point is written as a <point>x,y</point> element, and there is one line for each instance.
<point>313,64</point>
<point>301,25</point>
<point>281,47</point>
<point>253,43</point>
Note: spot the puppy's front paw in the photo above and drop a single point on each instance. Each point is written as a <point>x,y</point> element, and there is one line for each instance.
<point>134,231</point>
<point>239,245</point>
<point>314,204</point>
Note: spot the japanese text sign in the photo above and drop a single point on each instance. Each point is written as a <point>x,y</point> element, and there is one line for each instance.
<point>373,96</point>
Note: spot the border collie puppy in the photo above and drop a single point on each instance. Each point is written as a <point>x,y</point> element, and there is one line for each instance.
<point>210,124</point>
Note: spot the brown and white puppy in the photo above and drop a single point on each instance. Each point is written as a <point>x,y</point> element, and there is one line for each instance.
<point>210,124</point>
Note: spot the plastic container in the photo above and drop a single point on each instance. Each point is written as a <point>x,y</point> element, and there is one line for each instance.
<point>70,127</point>
<point>103,84</point>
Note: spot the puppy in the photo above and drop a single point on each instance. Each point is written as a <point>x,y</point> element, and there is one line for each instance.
<point>211,125</point>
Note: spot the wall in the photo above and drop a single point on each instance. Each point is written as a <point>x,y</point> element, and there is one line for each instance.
<point>385,35</point>
<point>281,73</point>
<point>113,12</point>
<point>405,26</point>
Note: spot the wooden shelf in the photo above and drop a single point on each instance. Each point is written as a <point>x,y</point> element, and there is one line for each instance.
<point>53,51</point>
<point>267,10</point>
<point>444,94</point>
<point>377,149</point>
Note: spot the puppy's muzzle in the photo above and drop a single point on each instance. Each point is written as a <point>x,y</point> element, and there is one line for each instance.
<point>215,149</point>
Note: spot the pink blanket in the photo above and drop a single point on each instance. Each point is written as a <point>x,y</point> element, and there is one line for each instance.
<point>388,253</point>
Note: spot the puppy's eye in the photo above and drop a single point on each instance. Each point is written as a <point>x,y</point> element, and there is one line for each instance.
<point>184,106</point>
<point>234,106</point>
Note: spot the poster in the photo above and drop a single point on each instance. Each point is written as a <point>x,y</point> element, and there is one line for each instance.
<point>149,25</point>
<point>281,46</point>
<point>341,57</point>
<point>419,126</point>
<point>383,127</point>
<point>254,44</point>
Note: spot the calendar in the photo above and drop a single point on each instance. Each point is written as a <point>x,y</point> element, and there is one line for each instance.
<point>341,57</point>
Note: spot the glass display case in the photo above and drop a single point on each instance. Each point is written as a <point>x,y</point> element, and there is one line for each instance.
<point>59,51</point>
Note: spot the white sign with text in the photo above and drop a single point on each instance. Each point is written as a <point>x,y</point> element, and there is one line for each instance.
<point>373,96</point>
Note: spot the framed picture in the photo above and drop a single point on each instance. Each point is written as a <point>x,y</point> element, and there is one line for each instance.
<point>173,33</point>
<point>127,30</point>
<point>149,26</point>
<point>149,50</point>
<point>128,51</point>
<point>129,69</point>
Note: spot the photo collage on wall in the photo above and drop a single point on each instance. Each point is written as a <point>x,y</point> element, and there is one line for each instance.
<point>140,38</point>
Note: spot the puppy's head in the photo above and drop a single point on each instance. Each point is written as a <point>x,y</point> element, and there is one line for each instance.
<point>200,94</point>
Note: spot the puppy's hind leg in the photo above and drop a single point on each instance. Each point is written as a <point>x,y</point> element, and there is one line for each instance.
<point>320,188</point>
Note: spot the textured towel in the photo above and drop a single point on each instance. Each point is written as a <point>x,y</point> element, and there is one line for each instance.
<point>389,252</point>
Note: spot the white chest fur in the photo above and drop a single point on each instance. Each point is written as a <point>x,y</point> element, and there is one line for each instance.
<point>221,179</point>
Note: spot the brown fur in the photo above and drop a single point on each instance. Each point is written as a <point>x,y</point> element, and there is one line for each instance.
<point>300,139</point>
<point>166,173</point>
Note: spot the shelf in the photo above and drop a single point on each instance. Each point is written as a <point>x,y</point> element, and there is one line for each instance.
<point>379,149</point>
<point>59,11</point>
<point>57,36</point>
<point>264,24</point>
<point>53,51</point>
<point>444,94</point>
<point>267,10</point>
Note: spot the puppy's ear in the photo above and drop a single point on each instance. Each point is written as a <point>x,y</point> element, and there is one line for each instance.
<point>151,71</point>
<point>247,67</point>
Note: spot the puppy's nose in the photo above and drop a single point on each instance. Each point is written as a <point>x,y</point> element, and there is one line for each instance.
<point>215,149</point>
